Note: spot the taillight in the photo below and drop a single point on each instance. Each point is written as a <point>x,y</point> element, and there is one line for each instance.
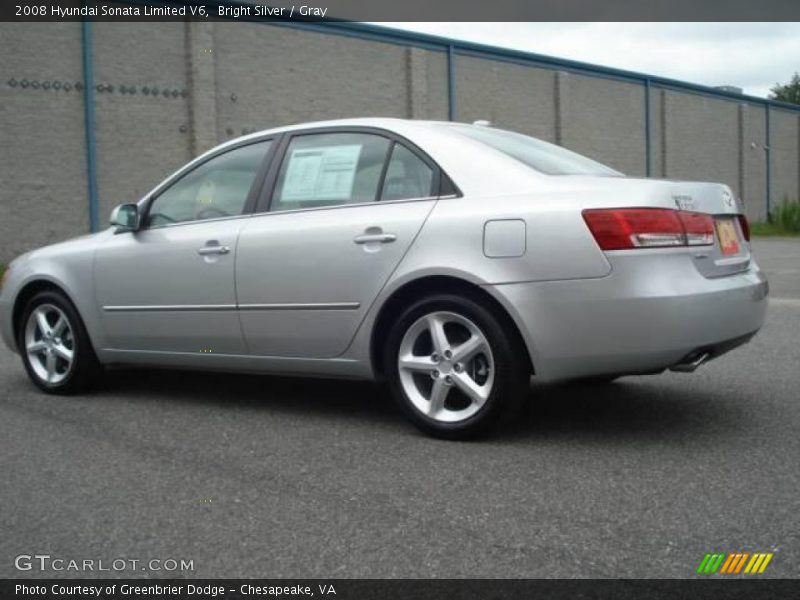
<point>622,228</point>
<point>699,228</point>
<point>745,226</point>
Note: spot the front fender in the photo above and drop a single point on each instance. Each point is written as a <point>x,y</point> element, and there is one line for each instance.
<point>71,273</point>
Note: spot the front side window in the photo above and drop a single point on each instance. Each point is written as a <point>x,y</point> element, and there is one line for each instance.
<point>407,176</point>
<point>544,157</point>
<point>217,188</point>
<point>330,169</point>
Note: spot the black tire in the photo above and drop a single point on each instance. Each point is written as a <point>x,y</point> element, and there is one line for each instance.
<point>511,382</point>
<point>85,369</point>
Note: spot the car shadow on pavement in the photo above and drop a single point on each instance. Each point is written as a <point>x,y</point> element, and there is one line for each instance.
<point>348,398</point>
<point>630,408</point>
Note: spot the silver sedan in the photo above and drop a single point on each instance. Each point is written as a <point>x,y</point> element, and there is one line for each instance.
<point>452,261</point>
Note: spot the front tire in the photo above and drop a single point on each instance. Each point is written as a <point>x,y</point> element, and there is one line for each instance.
<point>454,367</point>
<point>55,348</point>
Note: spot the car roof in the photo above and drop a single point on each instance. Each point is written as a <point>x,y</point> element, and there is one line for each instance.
<point>453,152</point>
<point>394,124</point>
<point>380,122</point>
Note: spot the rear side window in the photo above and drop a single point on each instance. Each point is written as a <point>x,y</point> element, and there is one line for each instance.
<point>330,169</point>
<point>544,157</point>
<point>407,176</point>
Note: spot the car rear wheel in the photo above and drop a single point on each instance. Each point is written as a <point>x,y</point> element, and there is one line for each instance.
<point>454,367</point>
<point>55,347</point>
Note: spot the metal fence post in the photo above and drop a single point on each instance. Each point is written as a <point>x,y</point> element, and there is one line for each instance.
<point>91,141</point>
<point>768,161</point>
<point>451,83</point>
<point>647,133</point>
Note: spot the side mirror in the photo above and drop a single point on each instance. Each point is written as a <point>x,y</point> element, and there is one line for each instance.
<point>125,218</point>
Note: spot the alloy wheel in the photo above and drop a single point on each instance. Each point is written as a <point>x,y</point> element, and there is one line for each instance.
<point>50,344</point>
<point>446,366</point>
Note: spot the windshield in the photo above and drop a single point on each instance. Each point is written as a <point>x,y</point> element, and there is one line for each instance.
<point>542,156</point>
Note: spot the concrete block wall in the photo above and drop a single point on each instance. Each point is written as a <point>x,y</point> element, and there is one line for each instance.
<point>785,161</point>
<point>141,138</point>
<point>692,136</point>
<point>270,76</point>
<point>43,187</point>
<point>604,119</point>
<point>700,139</point>
<point>513,96</point>
<point>166,92</point>
<point>753,172</point>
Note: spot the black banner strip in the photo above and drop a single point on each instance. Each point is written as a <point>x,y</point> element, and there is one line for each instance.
<point>405,10</point>
<point>712,588</point>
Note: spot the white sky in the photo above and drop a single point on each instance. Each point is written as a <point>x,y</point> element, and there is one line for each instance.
<point>753,56</point>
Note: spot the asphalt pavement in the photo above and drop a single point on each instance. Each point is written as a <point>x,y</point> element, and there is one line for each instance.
<point>252,476</point>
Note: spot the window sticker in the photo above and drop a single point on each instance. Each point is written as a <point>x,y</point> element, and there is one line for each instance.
<point>325,173</point>
<point>206,193</point>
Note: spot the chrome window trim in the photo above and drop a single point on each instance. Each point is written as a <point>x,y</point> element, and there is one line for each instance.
<point>349,205</point>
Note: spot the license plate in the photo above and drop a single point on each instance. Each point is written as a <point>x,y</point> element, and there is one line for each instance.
<point>726,234</point>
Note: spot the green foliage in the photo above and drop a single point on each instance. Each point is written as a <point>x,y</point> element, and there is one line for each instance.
<point>769,230</point>
<point>789,92</point>
<point>784,220</point>
<point>786,215</point>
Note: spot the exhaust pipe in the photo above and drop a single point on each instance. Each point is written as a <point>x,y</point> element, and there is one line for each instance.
<point>691,362</point>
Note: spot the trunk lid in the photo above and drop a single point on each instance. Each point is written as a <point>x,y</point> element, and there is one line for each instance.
<point>731,251</point>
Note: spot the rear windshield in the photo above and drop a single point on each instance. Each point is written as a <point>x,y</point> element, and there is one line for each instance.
<point>542,156</point>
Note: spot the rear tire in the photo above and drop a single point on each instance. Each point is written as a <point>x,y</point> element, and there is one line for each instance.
<point>454,367</point>
<point>55,348</point>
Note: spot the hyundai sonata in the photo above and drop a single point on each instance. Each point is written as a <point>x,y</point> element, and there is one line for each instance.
<point>452,261</point>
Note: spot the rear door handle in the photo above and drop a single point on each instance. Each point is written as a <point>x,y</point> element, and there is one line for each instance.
<point>371,238</point>
<point>208,250</point>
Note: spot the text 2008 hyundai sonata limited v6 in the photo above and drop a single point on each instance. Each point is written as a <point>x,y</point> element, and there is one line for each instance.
<point>454,261</point>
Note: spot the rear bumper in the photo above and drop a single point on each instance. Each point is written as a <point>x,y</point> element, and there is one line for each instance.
<point>652,312</point>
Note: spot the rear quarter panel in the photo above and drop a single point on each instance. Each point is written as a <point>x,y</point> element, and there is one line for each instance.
<point>558,244</point>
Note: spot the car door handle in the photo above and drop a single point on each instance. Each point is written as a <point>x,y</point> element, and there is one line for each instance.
<point>207,250</point>
<point>371,238</point>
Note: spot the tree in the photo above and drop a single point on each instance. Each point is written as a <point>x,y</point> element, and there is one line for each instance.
<point>789,92</point>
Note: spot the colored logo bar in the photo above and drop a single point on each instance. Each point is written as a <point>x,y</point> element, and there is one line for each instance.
<point>734,563</point>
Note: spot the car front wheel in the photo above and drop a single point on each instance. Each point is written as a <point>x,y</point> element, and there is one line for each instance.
<point>54,345</point>
<point>454,367</point>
